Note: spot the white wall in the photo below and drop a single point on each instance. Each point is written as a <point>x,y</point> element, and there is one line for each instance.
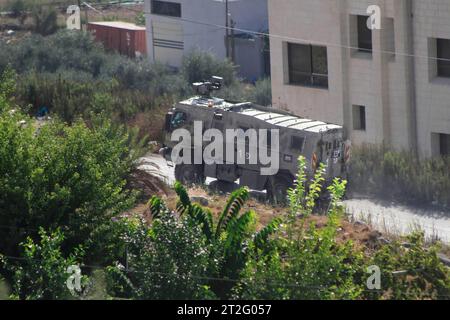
<point>248,14</point>
<point>431,20</point>
<point>397,92</point>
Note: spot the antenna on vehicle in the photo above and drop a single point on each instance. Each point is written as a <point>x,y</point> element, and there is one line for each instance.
<point>205,88</point>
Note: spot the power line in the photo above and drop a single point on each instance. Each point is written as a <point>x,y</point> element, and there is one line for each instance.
<point>209,278</point>
<point>282,37</point>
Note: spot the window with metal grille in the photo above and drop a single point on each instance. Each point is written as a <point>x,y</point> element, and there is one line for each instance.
<point>297,143</point>
<point>165,8</point>
<point>444,144</point>
<point>308,65</point>
<point>443,57</point>
<point>364,35</point>
<point>359,118</point>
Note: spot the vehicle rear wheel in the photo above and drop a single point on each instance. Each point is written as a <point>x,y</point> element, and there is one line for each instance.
<point>277,188</point>
<point>189,174</point>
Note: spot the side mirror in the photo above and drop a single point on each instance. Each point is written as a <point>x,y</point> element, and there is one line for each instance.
<point>218,116</point>
<point>168,121</point>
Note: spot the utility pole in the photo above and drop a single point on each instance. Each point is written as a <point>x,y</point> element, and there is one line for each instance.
<point>227,31</point>
<point>233,47</point>
<point>79,7</point>
<point>86,15</point>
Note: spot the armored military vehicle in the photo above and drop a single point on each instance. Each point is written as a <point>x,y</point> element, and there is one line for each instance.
<point>317,141</point>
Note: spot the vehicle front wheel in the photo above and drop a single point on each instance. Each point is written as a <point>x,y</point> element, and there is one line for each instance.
<point>277,188</point>
<point>189,174</point>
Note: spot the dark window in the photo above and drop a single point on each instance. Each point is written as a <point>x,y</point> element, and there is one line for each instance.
<point>359,118</point>
<point>444,143</point>
<point>268,138</point>
<point>165,8</point>
<point>219,125</point>
<point>297,143</point>
<point>443,57</point>
<point>308,65</point>
<point>179,119</point>
<point>364,35</point>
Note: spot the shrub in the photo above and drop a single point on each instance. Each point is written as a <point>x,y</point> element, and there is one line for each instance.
<point>72,75</point>
<point>42,271</point>
<point>307,263</point>
<point>54,176</point>
<point>165,261</point>
<point>200,66</point>
<point>139,19</point>
<point>45,20</point>
<point>262,92</point>
<point>78,52</point>
<point>18,9</point>
<point>188,254</point>
<point>376,169</point>
<point>413,271</point>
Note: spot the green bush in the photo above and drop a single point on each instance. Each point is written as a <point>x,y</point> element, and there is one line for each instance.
<point>188,254</point>
<point>413,271</point>
<point>45,19</point>
<point>53,175</point>
<point>379,170</point>
<point>262,92</point>
<point>17,8</point>
<point>139,19</point>
<point>200,66</point>
<point>165,261</point>
<point>83,59</point>
<point>73,75</point>
<point>307,263</point>
<point>42,271</point>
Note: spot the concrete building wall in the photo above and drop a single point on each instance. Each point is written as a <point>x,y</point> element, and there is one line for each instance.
<point>303,19</point>
<point>186,36</point>
<point>431,20</point>
<point>404,107</point>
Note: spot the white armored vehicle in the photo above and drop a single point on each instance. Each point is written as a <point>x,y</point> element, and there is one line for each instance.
<point>286,138</point>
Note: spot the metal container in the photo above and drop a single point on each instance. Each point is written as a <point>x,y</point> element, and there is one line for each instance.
<point>125,38</point>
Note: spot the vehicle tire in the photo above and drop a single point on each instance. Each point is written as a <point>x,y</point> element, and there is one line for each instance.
<point>277,188</point>
<point>189,174</point>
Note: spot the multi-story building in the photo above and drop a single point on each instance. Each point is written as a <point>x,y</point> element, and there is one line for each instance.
<point>176,27</point>
<point>389,85</point>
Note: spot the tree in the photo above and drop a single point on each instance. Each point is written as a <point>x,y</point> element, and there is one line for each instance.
<point>307,262</point>
<point>42,272</point>
<point>232,237</point>
<point>168,260</point>
<point>45,20</point>
<point>18,10</point>
<point>53,175</point>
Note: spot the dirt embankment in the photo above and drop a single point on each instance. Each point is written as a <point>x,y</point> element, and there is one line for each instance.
<point>152,183</point>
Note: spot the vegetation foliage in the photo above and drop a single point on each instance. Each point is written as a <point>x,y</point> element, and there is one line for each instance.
<point>62,192</point>
<point>73,76</point>
<point>58,176</point>
<point>400,175</point>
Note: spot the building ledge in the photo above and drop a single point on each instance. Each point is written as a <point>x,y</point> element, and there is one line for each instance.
<point>361,55</point>
<point>440,81</point>
<point>306,86</point>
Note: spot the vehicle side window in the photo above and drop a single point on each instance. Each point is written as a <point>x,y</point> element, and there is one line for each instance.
<point>269,138</point>
<point>219,125</point>
<point>297,143</point>
<point>179,118</point>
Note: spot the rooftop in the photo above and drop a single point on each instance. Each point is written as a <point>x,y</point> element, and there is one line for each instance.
<point>118,24</point>
<point>272,116</point>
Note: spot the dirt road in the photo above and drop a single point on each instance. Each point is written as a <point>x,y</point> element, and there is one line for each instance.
<point>385,216</point>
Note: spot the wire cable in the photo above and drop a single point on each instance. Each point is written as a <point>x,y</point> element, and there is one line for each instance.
<point>282,37</point>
